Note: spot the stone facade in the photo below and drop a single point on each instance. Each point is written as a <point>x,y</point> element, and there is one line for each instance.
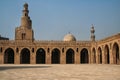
<point>26,50</point>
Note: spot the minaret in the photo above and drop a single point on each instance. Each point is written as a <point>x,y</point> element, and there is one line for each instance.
<point>92,33</point>
<point>24,32</point>
<point>25,19</point>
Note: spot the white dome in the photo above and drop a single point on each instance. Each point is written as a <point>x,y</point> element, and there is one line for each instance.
<point>69,37</point>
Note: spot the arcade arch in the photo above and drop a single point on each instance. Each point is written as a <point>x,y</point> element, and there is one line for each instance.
<point>94,55</point>
<point>9,56</point>
<point>84,58</point>
<point>99,55</point>
<point>107,55</point>
<point>55,56</point>
<point>70,56</point>
<point>115,53</point>
<point>40,56</point>
<point>25,56</point>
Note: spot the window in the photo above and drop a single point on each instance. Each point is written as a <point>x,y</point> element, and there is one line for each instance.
<point>48,50</point>
<point>17,50</point>
<point>77,50</point>
<point>25,14</point>
<point>63,50</point>
<point>33,50</point>
<point>23,36</point>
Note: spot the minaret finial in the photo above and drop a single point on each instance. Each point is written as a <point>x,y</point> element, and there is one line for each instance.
<point>92,25</point>
<point>25,10</point>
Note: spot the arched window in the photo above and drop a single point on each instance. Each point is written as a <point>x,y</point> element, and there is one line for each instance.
<point>17,50</point>
<point>32,50</point>
<point>23,36</point>
<point>62,50</point>
<point>48,50</point>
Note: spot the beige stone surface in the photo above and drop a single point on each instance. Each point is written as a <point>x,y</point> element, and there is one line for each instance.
<point>60,72</point>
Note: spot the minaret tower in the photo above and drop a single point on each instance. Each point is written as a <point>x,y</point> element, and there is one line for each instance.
<point>25,20</point>
<point>92,33</point>
<point>24,32</point>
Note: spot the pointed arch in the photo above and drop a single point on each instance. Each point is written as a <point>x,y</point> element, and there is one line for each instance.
<point>40,56</point>
<point>70,56</point>
<point>9,56</point>
<point>99,55</point>
<point>107,54</point>
<point>94,55</point>
<point>55,58</point>
<point>115,53</point>
<point>25,56</point>
<point>84,57</point>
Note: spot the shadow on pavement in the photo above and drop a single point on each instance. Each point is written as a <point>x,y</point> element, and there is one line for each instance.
<point>20,67</point>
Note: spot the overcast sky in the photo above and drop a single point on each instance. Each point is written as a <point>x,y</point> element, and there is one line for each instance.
<point>53,19</point>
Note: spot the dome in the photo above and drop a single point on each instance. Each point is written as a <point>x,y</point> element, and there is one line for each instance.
<point>69,37</point>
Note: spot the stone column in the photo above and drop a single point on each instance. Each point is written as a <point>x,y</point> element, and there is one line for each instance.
<point>17,58</point>
<point>1,58</point>
<point>32,58</point>
<point>112,57</point>
<point>48,57</point>
<point>91,58</point>
<point>77,58</point>
<point>97,58</point>
<point>103,57</point>
<point>62,58</point>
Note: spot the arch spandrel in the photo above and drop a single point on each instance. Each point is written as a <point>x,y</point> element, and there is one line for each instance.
<point>21,48</point>
<point>88,49</point>
<point>13,48</point>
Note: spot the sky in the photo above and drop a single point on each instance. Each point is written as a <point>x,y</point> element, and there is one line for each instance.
<point>53,19</point>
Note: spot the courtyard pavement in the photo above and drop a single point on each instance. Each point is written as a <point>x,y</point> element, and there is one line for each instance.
<point>59,72</point>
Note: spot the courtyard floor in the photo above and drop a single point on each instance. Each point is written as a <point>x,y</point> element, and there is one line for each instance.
<point>59,72</point>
